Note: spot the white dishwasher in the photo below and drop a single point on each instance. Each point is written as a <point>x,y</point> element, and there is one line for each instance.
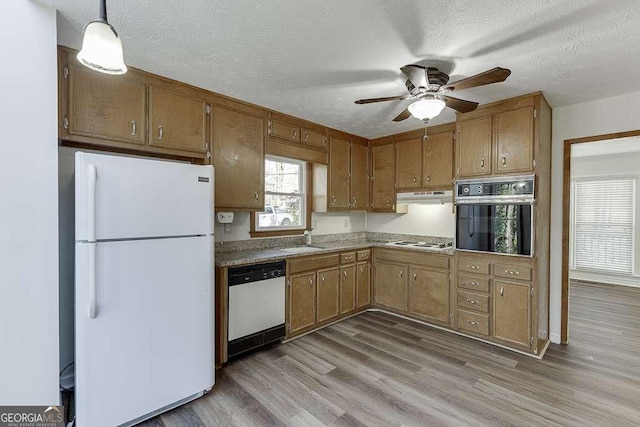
<point>256,307</point>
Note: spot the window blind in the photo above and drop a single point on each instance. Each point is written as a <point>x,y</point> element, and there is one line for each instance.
<point>603,221</point>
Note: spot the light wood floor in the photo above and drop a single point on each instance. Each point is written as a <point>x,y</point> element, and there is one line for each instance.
<point>377,369</point>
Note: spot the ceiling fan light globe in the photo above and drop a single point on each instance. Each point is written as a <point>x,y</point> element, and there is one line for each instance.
<point>426,109</point>
<point>102,49</point>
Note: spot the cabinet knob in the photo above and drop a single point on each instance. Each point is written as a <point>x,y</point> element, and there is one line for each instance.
<point>322,279</point>
<point>415,180</point>
<point>344,273</point>
<point>415,276</point>
<point>482,163</point>
<point>473,322</point>
<point>400,273</point>
<point>306,136</point>
<point>133,127</point>
<point>257,195</point>
<point>471,301</point>
<point>295,133</point>
<point>361,270</point>
<point>160,132</point>
<point>501,291</point>
<point>310,281</point>
<point>504,159</point>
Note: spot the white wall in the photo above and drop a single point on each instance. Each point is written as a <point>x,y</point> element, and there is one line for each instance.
<point>29,207</point>
<point>423,220</point>
<point>603,116</point>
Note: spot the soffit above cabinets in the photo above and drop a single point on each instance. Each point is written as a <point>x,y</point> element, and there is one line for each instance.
<point>313,59</point>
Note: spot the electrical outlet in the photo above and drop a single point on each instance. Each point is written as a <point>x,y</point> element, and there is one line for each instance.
<point>346,223</point>
<point>227,229</point>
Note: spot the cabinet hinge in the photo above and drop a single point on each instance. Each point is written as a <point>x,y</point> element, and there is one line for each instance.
<point>535,113</point>
<point>207,109</point>
<point>289,282</point>
<point>458,171</point>
<point>531,340</point>
<point>534,163</point>
<point>65,72</point>
<point>458,128</point>
<point>269,125</point>
<point>454,136</point>
<point>65,123</point>
<point>531,291</point>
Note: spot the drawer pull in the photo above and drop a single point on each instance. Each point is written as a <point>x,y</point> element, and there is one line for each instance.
<point>400,273</point>
<point>345,273</point>
<point>473,322</point>
<point>471,301</point>
<point>361,270</point>
<point>415,276</point>
<point>512,272</point>
<point>348,258</point>
<point>473,283</point>
<point>501,291</point>
<point>473,267</point>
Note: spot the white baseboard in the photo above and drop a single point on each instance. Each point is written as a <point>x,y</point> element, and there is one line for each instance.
<point>554,338</point>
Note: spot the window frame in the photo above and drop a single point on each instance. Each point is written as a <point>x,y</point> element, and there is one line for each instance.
<point>305,185</point>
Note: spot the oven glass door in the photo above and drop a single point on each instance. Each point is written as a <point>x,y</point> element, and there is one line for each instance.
<point>499,228</point>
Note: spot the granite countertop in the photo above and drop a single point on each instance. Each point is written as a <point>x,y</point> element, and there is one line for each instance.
<point>252,256</point>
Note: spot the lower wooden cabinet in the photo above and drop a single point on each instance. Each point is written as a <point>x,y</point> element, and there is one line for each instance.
<point>363,284</point>
<point>302,301</point>
<point>347,289</point>
<point>429,294</point>
<point>391,285</point>
<point>328,299</point>
<point>512,312</point>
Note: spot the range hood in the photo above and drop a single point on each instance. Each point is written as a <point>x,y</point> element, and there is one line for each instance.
<point>425,197</point>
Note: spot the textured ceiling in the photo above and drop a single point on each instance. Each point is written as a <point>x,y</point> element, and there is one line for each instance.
<point>312,59</point>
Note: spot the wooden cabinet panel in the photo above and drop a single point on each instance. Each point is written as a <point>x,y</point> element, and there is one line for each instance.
<point>314,138</point>
<point>177,121</point>
<point>474,147</point>
<point>437,165</point>
<point>284,130</point>
<point>514,141</point>
<point>477,323</point>
<point>359,176</point>
<point>512,312</point>
<point>339,183</point>
<point>238,157</point>
<point>302,302</point>
<point>475,283</point>
<point>409,164</point>
<point>105,106</point>
<point>390,284</point>
<point>328,302</point>
<point>429,294</point>
<point>383,193</point>
<point>473,301</point>
<point>363,284</point>
<point>347,289</point>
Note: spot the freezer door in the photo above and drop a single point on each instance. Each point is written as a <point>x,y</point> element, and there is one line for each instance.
<point>150,343</point>
<point>125,198</point>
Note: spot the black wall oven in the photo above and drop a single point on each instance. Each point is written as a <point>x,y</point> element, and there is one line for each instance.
<point>495,215</point>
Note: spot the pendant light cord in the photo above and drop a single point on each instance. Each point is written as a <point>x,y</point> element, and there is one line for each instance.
<point>103,10</point>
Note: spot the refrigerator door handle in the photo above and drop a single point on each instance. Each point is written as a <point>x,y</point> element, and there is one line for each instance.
<point>91,237</point>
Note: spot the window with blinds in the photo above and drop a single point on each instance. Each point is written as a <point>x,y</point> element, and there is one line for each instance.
<point>602,226</point>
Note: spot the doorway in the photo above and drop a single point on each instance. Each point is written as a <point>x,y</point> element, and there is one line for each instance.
<point>569,196</point>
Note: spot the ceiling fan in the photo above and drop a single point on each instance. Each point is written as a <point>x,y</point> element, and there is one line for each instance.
<point>430,88</point>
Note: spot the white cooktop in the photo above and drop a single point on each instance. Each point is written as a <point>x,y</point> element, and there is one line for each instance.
<point>422,245</point>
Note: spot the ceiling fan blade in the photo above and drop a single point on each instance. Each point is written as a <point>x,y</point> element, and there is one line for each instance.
<point>494,75</point>
<point>389,98</point>
<point>459,104</point>
<point>402,116</point>
<point>416,74</point>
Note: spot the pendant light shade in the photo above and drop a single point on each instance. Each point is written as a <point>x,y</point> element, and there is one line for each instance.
<point>101,46</point>
<point>426,109</point>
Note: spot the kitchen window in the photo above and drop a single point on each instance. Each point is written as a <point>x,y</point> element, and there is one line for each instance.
<point>285,197</point>
<point>602,225</point>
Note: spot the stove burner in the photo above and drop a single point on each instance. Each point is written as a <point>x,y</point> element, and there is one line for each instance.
<point>405,243</point>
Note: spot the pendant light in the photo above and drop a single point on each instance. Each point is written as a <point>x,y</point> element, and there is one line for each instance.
<point>426,109</point>
<point>101,46</point>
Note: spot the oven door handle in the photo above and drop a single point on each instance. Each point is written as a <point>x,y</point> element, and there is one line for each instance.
<point>471,224</point>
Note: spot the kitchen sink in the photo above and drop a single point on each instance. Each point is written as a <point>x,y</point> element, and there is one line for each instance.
<point>300,249</point>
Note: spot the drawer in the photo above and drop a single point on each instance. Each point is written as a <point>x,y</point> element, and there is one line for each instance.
<point>473,322</point>
<point>364,255</point>
<point>312,263</point>
<point>472,265</point>
<point>417,258</point>
<point>473,301</point>
<point>475,283</point>
<point>348,258</point>
<point>519,272</point>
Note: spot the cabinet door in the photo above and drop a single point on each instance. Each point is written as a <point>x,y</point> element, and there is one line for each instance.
<point>390,285</point>
<point>177,121</point>
<point>314,138</point>
<point>105,106</point>
<point>238,157</point>
<point>437,169</point>
<point>347,289</point>
<point>302,302</point>
<point>328,302</point>
<point>339,174</point>
<point>409,164</point>
<point>359,176</point>
<point>363,284</point>
<point>514,141</point>
<point>474,147</point>
<point>284,130</point>
<point>383,192</point>
<point>512,312</point>
<point>429,294</point>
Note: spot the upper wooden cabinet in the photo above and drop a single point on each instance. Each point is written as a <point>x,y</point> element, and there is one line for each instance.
<point>383,192</point>
<point>409,164</point>
<point>290,129</point>
<point>359,175</point>
<point>339,173</point>
<point>502,138</point>
<point>238,155</point>
<point>104,106</point>
<point>437,163</point>
<point>178,120</point>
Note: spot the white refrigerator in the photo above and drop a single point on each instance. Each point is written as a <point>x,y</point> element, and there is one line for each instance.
<point>144,294</point>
